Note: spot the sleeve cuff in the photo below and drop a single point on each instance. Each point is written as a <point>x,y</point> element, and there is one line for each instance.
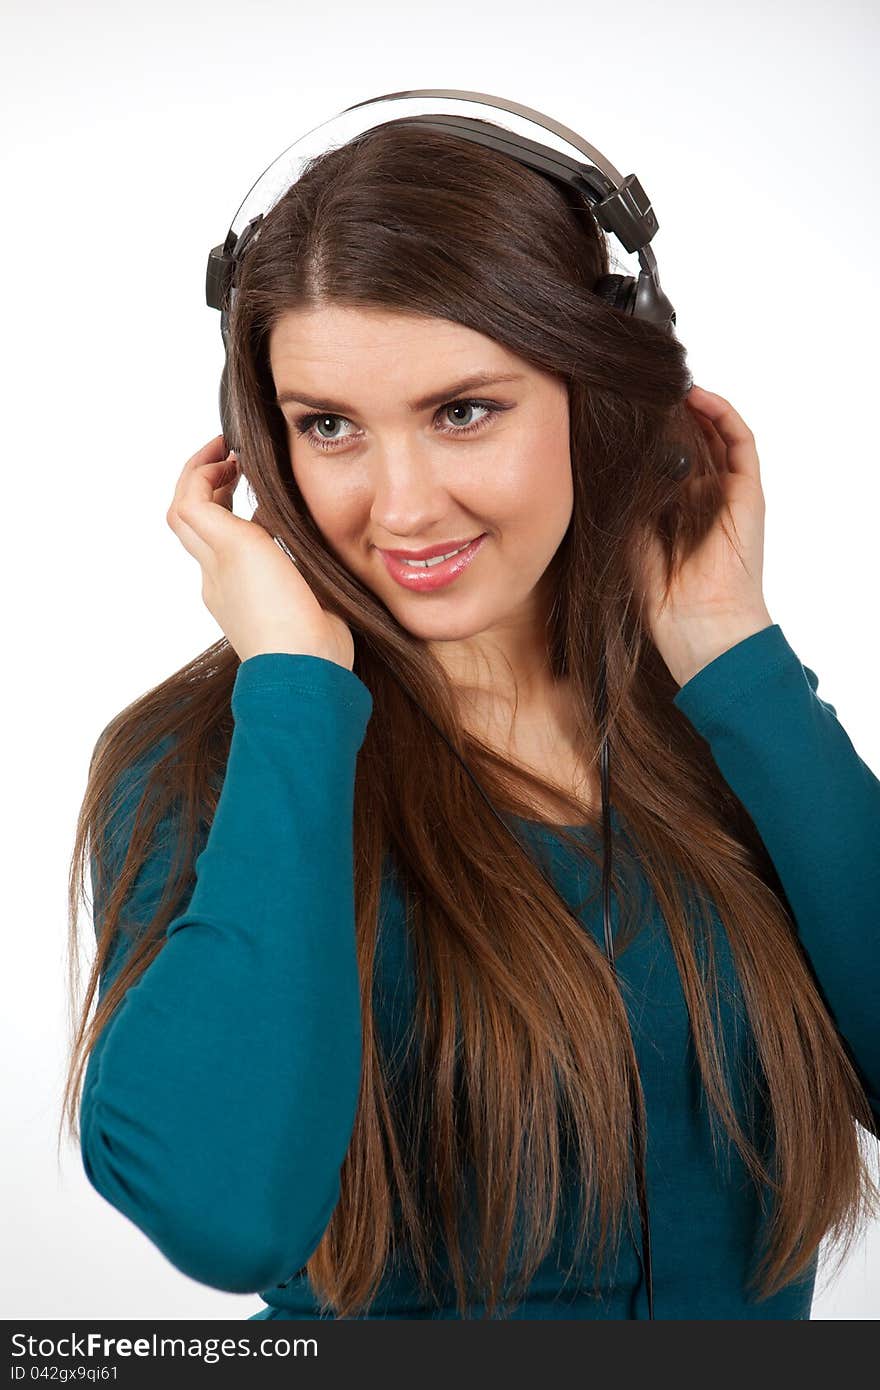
<point>725,680</point>
<point>302,674</point>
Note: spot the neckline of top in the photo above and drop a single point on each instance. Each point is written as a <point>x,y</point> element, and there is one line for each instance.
<point>551,828</point>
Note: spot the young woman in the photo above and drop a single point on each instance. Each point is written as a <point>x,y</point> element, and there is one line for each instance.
<point>350,1050</point>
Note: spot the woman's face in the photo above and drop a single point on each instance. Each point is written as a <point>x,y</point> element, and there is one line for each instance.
<point>376,473</point>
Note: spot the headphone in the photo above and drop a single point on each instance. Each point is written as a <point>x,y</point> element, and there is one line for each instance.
<point>620,206</point>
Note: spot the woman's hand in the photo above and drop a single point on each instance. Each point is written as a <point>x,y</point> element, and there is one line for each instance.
<point>249,584</point>
<point>716,597</point>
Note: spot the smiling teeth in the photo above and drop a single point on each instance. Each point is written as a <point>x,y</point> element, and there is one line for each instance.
<point>437,559</point>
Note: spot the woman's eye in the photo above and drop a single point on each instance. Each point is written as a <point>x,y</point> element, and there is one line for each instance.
<point>307,424</point>
<point>466,406</point>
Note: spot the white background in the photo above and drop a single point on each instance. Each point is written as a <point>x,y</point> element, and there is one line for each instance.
<point>131,134</point>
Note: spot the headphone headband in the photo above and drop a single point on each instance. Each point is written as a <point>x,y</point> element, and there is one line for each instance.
<point>619,204</point>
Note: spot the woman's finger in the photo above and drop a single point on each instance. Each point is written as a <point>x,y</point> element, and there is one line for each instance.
<point>213,452</point>
<point>717,446</point>
<point>742,455</point>
<point>225,490</point>
<point>205,513</point>
<point>208,481</point>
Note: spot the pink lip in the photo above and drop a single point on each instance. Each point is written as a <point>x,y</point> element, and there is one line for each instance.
<point>435,576</point>
<point>429,551</point>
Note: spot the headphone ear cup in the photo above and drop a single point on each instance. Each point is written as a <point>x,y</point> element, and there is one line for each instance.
<point>620,292</point>
<point>679,464</point>
<point>617,290</point>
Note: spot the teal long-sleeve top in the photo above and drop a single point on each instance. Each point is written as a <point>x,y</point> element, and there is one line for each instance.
<point>219,1102</point>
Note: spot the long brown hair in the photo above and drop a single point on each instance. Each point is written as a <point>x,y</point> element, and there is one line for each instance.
<point>512,1030</point>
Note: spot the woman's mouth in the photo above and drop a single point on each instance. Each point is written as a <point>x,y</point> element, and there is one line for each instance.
<point>423,578</point>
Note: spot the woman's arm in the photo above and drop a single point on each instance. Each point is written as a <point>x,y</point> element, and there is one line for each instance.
<point>816,806</point>
<point>219,1103</point>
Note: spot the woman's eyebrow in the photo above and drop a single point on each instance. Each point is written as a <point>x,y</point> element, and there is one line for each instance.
<point>469,383</point>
